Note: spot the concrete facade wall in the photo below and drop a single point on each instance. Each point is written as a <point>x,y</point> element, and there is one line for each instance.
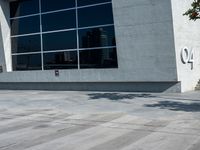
<point>186,34</point>
<point>145,39</point>
<point>5,47</point>
<point>145,48</point>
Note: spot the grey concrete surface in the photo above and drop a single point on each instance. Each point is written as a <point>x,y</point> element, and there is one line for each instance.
<point>186,34</point>
<point>141,58</point>
<point>148,47</point>
<point>60,120</point>
<point>150,35</point>
<point>167,87</point>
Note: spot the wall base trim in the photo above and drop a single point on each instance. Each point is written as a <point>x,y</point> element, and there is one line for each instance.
<point>170,87</point>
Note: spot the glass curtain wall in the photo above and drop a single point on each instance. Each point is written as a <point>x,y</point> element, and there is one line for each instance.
<point>64,34</point>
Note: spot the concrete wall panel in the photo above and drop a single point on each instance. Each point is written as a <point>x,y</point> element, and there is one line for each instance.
<point>5,50</point>
<point>145,48</point>
<point>186,34</point>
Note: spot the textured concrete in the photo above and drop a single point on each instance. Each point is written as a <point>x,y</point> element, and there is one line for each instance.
<point>55,120</point>
<point>145,48</point>
<point>172,87</point>
<point>149,37</point>
<point>186,34</point>
<point>5,47</point>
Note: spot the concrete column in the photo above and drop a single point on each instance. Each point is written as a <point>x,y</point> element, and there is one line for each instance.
<point>5,43</point>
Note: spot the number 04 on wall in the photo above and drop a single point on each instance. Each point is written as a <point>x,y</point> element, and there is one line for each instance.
<point>187,55</point>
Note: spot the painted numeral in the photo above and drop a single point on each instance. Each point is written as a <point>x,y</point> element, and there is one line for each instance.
<point>187,56</point>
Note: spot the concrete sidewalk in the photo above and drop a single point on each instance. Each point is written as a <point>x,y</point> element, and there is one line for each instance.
<point>59,120</point>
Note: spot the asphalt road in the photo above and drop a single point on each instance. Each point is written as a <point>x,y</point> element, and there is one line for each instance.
<point>60,120</point>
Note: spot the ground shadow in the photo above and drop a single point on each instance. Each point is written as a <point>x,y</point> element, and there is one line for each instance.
<point>176,106</point>
<point>117,96</point>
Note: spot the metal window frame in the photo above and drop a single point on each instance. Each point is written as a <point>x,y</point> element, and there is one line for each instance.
<point>77,28</point>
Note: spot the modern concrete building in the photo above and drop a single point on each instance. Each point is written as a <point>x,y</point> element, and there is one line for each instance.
<point>118,45</point>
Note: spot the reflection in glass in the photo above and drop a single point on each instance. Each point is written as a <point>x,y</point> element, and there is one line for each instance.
<point>25,25</point>
<point>59,20</point>
<point>61,60</point>
<point>96,15</point>
<point>59,41</point>
<point>90,2</point>
<point>98,58</point>
<point>97,37</point>
<point>26,62</point>
<point>23,44</point>
<point>24,7</point>
<point>51,5</point>
<point>55,37</point>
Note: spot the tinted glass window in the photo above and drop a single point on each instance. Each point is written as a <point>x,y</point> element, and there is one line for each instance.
<point>58,47</point>
<point>27,62</point>
<point>59,20</point>
<point>96,15</point>
<point>97,37</point>
<point>25,25</point>
<point>89,2</point>
<point>61,60</point>
<point>59,40</point>
<point>26,44</point>
<point>99,58</point>
<point>24,7</point>
<point>50,5</point>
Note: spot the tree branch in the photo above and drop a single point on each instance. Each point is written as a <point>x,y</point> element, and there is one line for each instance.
<point>194,12</point>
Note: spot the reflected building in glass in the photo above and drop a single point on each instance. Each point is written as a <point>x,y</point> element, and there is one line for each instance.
<point>95,38</point>
<point>52,31</point>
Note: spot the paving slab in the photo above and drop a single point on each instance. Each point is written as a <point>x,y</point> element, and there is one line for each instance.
<point>74,120</point>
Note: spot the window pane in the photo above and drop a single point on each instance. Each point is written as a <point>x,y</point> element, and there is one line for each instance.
<point>50,5</point>
<point>26,44</point>
<point>96,15</point>
<point>27,62</point>
<point>61,60</point>
<point>24,7</point>
<point>97,37</point>
<point>25,25</point>
<point>59,20</point>
<point>89,2</point>
<point>59,41</point>
<point>99,58</point>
